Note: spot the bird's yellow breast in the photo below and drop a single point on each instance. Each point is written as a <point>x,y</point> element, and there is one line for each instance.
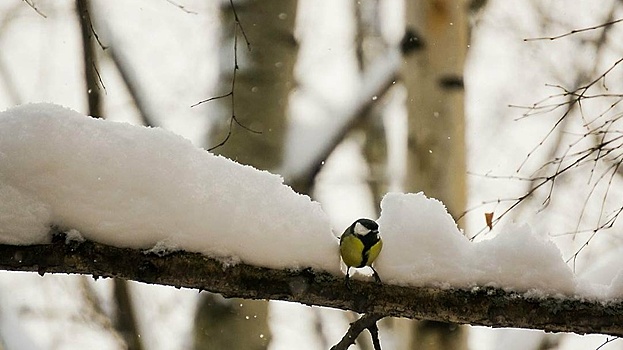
<point>351,249</point>
<point>374,251</point>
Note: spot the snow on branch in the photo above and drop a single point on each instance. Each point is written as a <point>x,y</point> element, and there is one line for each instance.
<point>121,191</point>
<point>478,306</point>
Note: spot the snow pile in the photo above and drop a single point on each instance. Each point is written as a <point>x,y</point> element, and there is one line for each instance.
<point>139,187</point>
<point>423,246</point>
<point>147,188</point>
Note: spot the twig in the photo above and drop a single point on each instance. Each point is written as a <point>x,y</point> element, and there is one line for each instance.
<point>32,5</point>
<point>99,77</point>
<point>181,7</point>
<point>377,80</point>
<point>606,342</point>
<point>239,24</point>
<point>368,322</point>
<point>128,76</point>
<point>93,312</point>
<point>575,31</point>
<point>232,93</point>
<point>90,23</point>
<point>602,151</point>
<point>90,59</point>
<point>374,333</point>
<point>125,318</point>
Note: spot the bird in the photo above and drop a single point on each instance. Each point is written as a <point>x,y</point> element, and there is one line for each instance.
<point>360,245</point>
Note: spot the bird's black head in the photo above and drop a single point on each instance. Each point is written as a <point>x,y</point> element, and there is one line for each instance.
<point>362,227</point>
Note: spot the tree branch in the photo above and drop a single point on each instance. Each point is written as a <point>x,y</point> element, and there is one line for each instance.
<point>132,82</point>
<point>478,306</point>
<point>380,77</point>
<point>93,79</point>
<point>365,322</point>
<point>32,5</point>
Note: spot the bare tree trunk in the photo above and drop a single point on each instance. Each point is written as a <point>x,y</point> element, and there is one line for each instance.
<point>434,79</point>
<point>125,320</point>
<point>231,324</point>
<point>370,44</point>
<point>436,142</point>
<point>262,86</point>
<point>89,58</point>
<point>263,82</point>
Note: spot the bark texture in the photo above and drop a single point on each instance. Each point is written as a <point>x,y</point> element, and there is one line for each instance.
<point>433,76</point>
<point>478,306</point>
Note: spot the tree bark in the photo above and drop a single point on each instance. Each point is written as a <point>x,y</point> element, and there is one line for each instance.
<point>434,80</point>
<point>230,324</point>
<point>370,46</point>
<point>89,56</point>
<point>263,81</point>
<point>125,320</point>
<point>484,306</point>
<point>433,77</point>
<point>264,77</point>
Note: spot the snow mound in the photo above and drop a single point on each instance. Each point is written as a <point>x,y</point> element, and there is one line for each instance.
<point>133,186</point>
<point>427,248</point>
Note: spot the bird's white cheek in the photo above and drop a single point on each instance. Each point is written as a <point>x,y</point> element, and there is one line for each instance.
<point>360,229</point>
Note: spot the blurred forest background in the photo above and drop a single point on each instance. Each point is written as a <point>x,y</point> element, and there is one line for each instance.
<point>492,106</point>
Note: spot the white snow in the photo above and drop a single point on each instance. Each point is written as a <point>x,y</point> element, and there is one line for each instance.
<point>148,188</point>
<point>138,187</point>
<point>423,246</point>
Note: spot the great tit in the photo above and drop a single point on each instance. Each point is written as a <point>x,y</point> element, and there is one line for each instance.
<point>360,244</point>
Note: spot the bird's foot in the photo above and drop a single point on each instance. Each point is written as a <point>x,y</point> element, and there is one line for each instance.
<point>377,278</point>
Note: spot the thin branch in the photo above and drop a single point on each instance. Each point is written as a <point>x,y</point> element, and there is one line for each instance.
<point>213,98</point>
<point>92,28</point>
<point>93,312</point>
<point>181,7</point>
<point>365,322</point>
<point>232,93</point>
<point>374,333</point>
<point>99,77</point>
<point>319,328</point>
<point>576,31</point>
<point>484,306</point>
<point>239,24</point>
<point>32,5</point>
<point>377,80</point>
<point>606,342</point>
<point>132,83</point>
<point>93,79</point>
<point>125,319</point>
<point>602,151</point>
